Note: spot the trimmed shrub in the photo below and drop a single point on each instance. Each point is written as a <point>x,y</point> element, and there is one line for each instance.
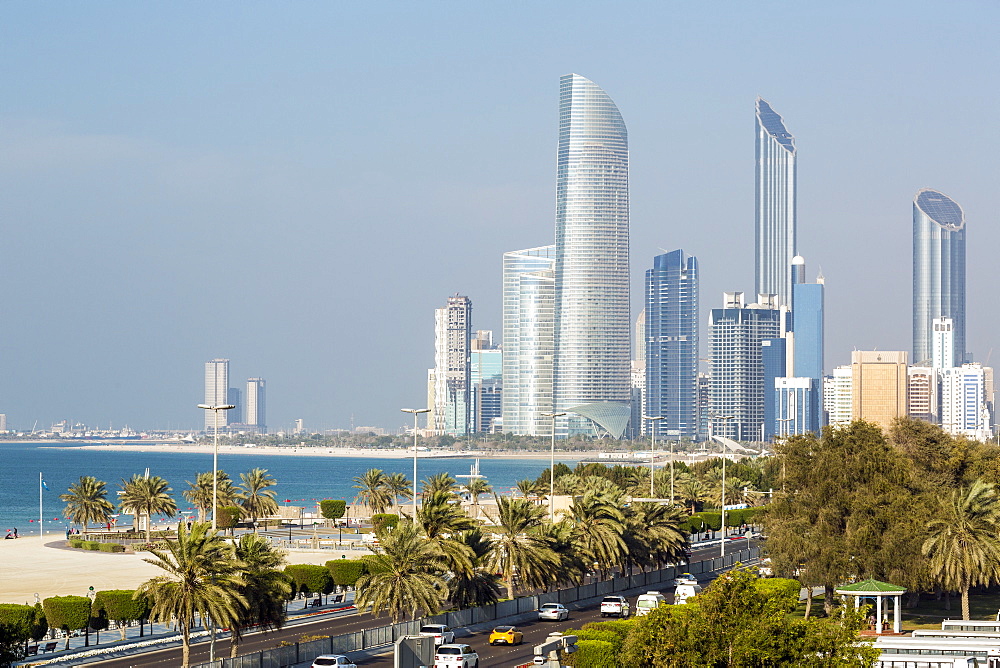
<point>228,517</point>
<point>382,521</point>
<point>76,542</point>
<point>333,509</point>
<point>69,613</point>
<point>712,520</point>
<point>345,572</point>
<point>121,605</point>
<point>111,547</point>
<point>91,545</point>
<point>593,653</point>
<point>310,579</point>
<point>23,622</point>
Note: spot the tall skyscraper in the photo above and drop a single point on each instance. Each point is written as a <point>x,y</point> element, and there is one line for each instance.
<point>487,384</point>
<point>671,345</point>
<point>453,375</point>
<point>736,332</point>
<point>942,343</point>
<point>592,325</point>
<point>528,340</point>
<point>879,386</point>
<point>808,348</point>
<point>775,204</point>
<point>255,405</point>
<point>216,392</point>
<point>837,393</point>
<point>966,401</point>
<point>938,272</point>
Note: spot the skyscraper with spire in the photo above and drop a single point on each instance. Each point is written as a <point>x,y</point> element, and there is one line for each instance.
<point>592,351</point>
<point>775,199</point>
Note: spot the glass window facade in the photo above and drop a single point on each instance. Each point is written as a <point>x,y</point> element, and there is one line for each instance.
<point>938,272</point>
<point>592,246</point>
<point>775,198</point>
<point>671,345</point>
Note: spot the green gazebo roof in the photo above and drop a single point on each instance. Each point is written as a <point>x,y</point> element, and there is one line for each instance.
<point>871,587</point>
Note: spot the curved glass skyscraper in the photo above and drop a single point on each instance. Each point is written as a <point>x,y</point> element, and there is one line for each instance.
<point>591,269</point>
<point>775,205</point>
<point>938,271</point>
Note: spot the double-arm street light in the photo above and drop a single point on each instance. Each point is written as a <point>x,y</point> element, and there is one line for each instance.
<point>652,451</point>
<point>215,459</point>
<point>416,412</point>
<point>552,467</point>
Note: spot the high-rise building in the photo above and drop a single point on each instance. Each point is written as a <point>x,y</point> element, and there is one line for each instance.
<point>591,371</point>
<point>255,405</point>
<point>735,334</point>
<point>775,204</point>
<point>528,340</point>
<point>216,393</point>
<point>938,272</point>
<point>942,343</point>
<point>671,346</point>
<point>774,361</point>
<point>808,348</point>
<point>234,397</point>
<point>638,426</point>
<point>879,386</point>
<point>453,375</point>
<point>922,391</point>
<point>487,382</point>
<point>794,404</point>
<point>966,401</point>
<point>837,396</point>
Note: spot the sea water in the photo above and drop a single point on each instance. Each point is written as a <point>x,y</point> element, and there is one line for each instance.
<point>302,480</point>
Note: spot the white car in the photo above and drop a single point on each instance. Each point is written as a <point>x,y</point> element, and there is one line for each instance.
<point>442,634</point>
<point>554,612</point>
<point>456,656</point>
<point>338,660</point>
<point>614,605</point>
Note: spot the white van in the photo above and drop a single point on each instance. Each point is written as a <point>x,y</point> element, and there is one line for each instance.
<point>648,602</point>
<point>685,592</point>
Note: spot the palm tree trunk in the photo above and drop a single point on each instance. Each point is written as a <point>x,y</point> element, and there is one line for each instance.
<point>809,601</point>
<point>185,645</point>
<point>234,646</point>
<point>965,602</point>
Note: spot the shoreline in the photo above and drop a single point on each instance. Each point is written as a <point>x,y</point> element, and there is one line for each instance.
<point>323,451</point>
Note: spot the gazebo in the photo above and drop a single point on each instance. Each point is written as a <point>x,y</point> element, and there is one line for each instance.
<point>878,590</point>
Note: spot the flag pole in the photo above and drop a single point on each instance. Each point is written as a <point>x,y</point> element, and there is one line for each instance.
<point>40,516</point>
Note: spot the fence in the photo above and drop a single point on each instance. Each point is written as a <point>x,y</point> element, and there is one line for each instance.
<point>381,636</point>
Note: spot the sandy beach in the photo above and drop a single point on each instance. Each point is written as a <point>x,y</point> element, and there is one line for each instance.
<point>290,450</point>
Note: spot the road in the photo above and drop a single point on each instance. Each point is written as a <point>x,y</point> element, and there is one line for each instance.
<point>534,633</point>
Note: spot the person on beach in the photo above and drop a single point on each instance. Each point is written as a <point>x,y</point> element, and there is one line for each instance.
<point>15,532</point>
<point>8,536</point>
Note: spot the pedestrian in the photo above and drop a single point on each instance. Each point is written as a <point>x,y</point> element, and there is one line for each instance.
<point>9,536</point>
<point>67,533</point>
<point>15,532</point>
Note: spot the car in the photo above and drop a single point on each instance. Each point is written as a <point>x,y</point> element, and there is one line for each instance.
<point>456,655</point>
<point>338,660</point>
<point>442,634</point>
<point>684,578</point>
<point>553,612</point>
<point>506,635</point>
<point>614,605</point>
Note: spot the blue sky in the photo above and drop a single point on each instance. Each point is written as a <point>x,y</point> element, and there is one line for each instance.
<point>296,186</point>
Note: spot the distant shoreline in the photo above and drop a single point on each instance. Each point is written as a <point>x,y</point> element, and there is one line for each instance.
<point>320,451</point>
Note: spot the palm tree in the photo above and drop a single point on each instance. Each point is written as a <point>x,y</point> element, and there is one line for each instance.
<point>87,502</point>
<point>475,487</point>
<point>144,496</point>
<point>255,497</point>
<point>201,581</point>
<point>265,587</point>
<point>373,489</point>
<point>441,518</point>
<point>570,566</point>
<point>200,492</point>
<point>962,542</point>
<point>690,490</point>
<point>399,486</point>
<point>653,534</point>
<point>528,488</point>
<point>518,548</point>
<point>476,586</point>
<point>597,525</point>
<point>404,576</point>
<point>440,482</point>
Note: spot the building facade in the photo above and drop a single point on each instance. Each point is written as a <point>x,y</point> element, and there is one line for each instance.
<point>965,403</point>
<point>808,334</point>
<point>528,340</point>
<point>879,386</point>
<point>923,390</point>
<point>838,396</point>
<point>775,197</point>
<point>256,405</point>
<point>938,272</point>
<point>671,345</point>
<point>592,323</point>
<point>217,393</point>
<point>487,382</point>
<point>453,368</point>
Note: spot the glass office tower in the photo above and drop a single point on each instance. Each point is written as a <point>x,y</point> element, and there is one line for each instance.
<point>938,272</point>
<point>775,205</point>
<point>671,345</point>
<point>592,266</point>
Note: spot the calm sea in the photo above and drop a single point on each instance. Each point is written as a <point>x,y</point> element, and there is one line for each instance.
<point>302,480</point>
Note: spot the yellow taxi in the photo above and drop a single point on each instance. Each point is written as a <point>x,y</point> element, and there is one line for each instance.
<point>506,635</point>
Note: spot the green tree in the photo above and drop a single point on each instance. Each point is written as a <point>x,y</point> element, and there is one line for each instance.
<point>332,509</point>
<point>121,606</point>
<point>962,543</point>
<point>373,490</point>
<point>255,498</point>
<point>439,482</point>
<point>736,623</point>
<point>404,576</point>
<point>18,625</point>
<point>201,580</point>
<point>68,613</point>
<point>86,502</point>
<point>518,548</point>
<point>441,519</point>
<point>653,534</point>
<point>264,587</point>
<point>346,572</point>
<point>145,497</point>
<point>597,524</point>
<point>200,492</point>
<point>531,489</point>
<point>475,487</point>
<point>309,579</point>
<point>399,486</point>
<point>476,585</point>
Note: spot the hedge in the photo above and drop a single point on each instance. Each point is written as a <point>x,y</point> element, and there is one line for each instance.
<point>111,547</point>
<point>382,521</point>
<point>592,653</point>
<point>121,605</point>
<point>68,613</point>
<point>76,542</point>
<point>310,579</point>
<point>333,509</point>
<point>23,622</point>
<point>228,516</point>
<point>91,545</point>
<point>346,572</point>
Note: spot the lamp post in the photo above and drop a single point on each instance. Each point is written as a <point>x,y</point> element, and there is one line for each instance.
<point>784,426</point>
<point>215,459</point>
<point>652,451</point>
<point>722,543</point>
<point>552,467</point>
<point>416,412</point>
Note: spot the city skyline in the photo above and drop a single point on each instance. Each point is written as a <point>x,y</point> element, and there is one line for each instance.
<point>126,178</point>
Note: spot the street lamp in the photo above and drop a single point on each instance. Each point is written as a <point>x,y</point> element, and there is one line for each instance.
<point>552,467</point>
<point>652,451</point>
<point>215,459</point>
<point>723,444</point>
<point>784,427</point>
<point>416,412</point>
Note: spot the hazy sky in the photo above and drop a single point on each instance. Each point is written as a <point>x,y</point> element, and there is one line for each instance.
<point>297,185</point>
